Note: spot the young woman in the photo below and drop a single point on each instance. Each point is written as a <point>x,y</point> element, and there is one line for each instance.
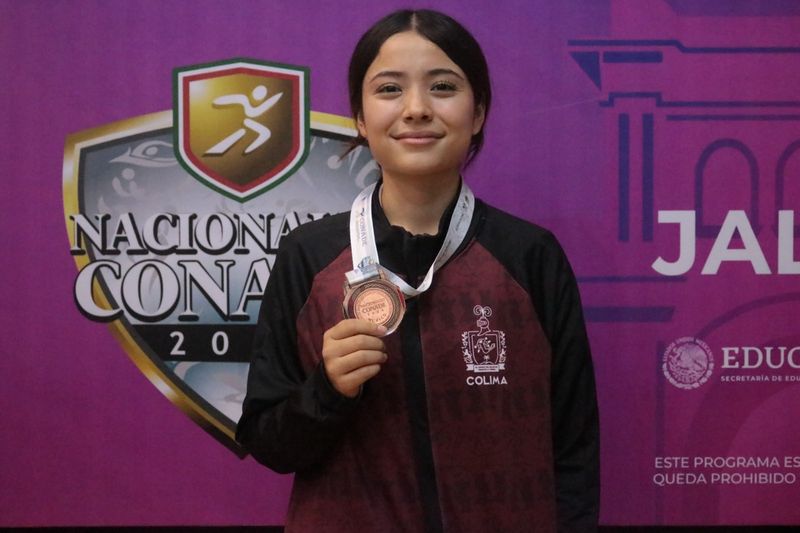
<point>458,395</point>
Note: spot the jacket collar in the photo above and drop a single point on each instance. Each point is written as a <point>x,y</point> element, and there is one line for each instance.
<point>407,255</point>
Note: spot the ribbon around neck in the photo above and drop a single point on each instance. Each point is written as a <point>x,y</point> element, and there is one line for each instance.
<point>365,251</point>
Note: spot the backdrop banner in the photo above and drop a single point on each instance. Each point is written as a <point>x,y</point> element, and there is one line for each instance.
<point>156,153</point>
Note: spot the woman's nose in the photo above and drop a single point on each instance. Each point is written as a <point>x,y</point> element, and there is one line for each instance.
<point>417,105</point>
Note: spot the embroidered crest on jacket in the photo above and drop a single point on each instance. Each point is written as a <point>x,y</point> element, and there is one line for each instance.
<point>484,349</point>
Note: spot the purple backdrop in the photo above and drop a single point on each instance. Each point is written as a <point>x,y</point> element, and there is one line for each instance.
<point>605,114</point>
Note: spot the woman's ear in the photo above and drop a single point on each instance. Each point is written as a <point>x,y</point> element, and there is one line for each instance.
<point>477,121</point>
<point>362,128</point>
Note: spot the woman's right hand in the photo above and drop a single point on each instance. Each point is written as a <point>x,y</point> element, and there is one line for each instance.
<point>352,353</point>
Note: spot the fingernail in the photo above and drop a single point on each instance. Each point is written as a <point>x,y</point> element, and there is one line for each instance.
<point>382,330</point>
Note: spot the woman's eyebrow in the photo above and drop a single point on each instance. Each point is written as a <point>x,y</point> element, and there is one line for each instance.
<point>444,71</point>
<point>396,74</point>
<point>387,74</point>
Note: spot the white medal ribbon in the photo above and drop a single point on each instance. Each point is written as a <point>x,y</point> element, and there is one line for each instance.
<point>365,251</point>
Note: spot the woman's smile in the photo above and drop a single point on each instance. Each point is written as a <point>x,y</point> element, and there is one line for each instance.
<point>418,138</point>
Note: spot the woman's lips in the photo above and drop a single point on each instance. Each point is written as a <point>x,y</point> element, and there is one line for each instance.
<point>418,137</point>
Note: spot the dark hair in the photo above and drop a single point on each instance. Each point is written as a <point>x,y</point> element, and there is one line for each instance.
<point>443,31</point>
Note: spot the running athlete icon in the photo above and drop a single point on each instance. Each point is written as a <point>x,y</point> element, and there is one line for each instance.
<point>259,94</point>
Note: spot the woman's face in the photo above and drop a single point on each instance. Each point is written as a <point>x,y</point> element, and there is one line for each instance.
<point>418,110</point>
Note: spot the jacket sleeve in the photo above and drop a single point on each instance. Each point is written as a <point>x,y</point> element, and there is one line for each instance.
<point>573,396</point>
<point>290,419</point>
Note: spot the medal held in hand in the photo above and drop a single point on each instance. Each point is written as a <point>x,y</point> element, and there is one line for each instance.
<point>377,294</point>
<point>368,295</point>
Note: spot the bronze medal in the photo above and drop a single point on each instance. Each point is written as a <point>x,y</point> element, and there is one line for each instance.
<point>376,294</point>
<point>377,300</point>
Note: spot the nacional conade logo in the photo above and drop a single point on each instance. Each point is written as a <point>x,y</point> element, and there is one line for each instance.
<point>174,220</point>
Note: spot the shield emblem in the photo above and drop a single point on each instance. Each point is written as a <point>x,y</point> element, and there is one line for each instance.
<point>485,351</point>
<point>177,269</point>
<point>241,125</point>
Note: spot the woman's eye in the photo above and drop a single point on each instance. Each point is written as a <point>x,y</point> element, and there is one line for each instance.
<point>388,89</point>
<point>444,86</point>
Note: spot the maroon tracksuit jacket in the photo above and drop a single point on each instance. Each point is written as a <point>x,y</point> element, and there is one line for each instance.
<point>483,419</point>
